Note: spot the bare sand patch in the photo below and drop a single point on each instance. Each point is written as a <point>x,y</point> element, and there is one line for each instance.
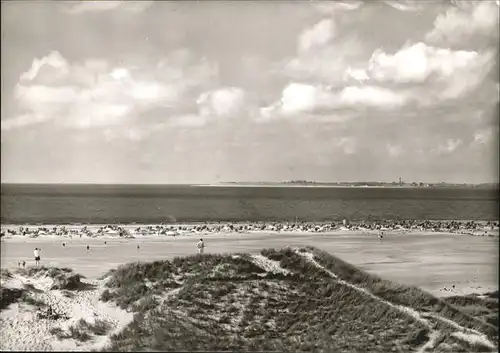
<point>50,319</point>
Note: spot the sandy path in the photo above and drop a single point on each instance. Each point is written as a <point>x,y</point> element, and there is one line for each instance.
<point>429,261</point>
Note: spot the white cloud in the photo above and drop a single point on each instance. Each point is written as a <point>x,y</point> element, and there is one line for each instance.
<point>298,98</point>
<point>485,136</point>
<point>449,146</point>
<point>406,6</point>
<point>394,150</point>
<point>317,36</point>
<point>465,22</point>
<point>372,96</point>
<point>120,74</point>
<point>453,73</point>
<point>347,144</point>
<point>93,93</point>
<point>323,54</point>
<point>329,7</point>
<point>417,62</point>
<point>22,121</point>
<point>359,75</point>
<point>222,102</point>
<point>54,59</point>
<point>326,64</point>
<point>103,5</point>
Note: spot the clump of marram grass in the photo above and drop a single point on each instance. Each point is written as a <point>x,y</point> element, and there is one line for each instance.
<point>5,274</point>
<point>9,296</point>
<point>30,300</point>
<point>82,330</point>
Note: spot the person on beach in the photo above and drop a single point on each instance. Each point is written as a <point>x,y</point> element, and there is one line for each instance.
<point>64,244</point>
<point>36,252</point>
<point>88,248</point>
<point>138,247</point>
<point>24,264</point>
<point>105,242</point>
<point>200,246</point>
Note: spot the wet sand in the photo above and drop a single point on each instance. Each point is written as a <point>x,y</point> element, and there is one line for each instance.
<point>429,261</point>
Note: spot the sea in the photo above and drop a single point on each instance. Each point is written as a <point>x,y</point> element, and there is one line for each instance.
<point>150,204</point>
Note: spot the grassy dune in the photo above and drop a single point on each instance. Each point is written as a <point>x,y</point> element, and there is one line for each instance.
<point>288,300</point>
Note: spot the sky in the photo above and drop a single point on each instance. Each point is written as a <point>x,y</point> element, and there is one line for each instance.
<point>207,92</point>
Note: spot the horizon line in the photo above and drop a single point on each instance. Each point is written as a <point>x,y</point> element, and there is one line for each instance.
<point>296,182</point>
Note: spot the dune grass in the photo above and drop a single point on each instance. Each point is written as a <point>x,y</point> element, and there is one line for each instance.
<point>403,295</point>
<point>227,302</point>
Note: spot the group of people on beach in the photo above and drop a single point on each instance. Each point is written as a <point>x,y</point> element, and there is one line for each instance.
<point>36,253</point>
<point>200,247</point>
<point>453,226</point>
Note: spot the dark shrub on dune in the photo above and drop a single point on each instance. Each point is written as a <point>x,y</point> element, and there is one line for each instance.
<point>69,282</point>
<point>9,296</point>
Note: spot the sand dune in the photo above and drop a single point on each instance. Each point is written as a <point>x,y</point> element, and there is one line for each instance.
<point>125,310</point>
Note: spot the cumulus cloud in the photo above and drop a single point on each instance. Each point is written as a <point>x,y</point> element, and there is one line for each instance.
<point>450,146</point>
<point>298,98</point>
<point>325,64</point>
<point>372,96</point>
<point>317,36</point>
<point>95,94</point>
<point>360,75</point>
<point>454,73</point>
<point>102,5</point>
<point>347,145</point>
<point>222,102</point>
<point>323,54</point>
<point>469,21</point>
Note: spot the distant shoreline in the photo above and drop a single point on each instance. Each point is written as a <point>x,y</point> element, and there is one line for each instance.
<point>285,185</point>
<point>269,184</point>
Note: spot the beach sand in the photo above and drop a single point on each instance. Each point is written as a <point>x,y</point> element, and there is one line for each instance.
<point>431,261</point>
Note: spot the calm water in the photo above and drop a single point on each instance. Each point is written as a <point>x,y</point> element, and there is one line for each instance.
<point>153,203</point>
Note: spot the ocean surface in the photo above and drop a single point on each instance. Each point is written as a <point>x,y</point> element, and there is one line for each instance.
<point>59,204</point>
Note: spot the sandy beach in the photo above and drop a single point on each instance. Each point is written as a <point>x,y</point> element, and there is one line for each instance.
<point>432,261</point>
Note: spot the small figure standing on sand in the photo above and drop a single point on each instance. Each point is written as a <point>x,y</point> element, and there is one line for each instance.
<point>138,247</point>
<point>19,264</point>
<point>381,236</point>
<point>36,252</point>
<point>64,244</point>
<point>88,248</point>
<point>105,242</point>
<point>24,264</point>
<point>200,246</point>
